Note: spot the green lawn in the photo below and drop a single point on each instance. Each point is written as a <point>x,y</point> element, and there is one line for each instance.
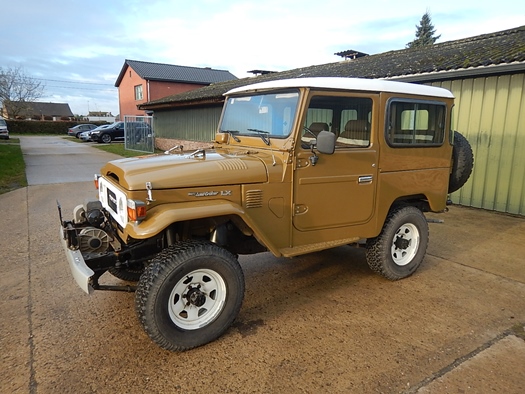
<point>12,166</point>
<point>114,147</point>
<point>118,148</point>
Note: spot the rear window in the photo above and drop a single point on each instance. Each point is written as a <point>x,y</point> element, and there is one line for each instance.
<point>415,123</point>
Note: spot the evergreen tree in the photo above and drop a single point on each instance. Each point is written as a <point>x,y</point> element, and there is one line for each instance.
<point>425,33</point>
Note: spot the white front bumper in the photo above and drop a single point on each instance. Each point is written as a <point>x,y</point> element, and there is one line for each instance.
<point>81,272</point>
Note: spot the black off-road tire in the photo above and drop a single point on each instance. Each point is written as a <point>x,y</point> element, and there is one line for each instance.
<point>399,249</point>
<point>462,163</point>
<point>128,274</point>
<point>174,311</point>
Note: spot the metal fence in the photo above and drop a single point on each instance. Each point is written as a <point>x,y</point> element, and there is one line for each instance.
<point>139,134</point>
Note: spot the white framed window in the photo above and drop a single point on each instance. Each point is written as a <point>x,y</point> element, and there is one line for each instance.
<point>416,122</point>
<point>138,92</point>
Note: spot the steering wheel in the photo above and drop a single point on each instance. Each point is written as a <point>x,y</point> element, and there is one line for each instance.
<point>309,131</point>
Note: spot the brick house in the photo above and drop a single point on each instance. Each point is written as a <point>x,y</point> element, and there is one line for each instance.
<point>140,82</point>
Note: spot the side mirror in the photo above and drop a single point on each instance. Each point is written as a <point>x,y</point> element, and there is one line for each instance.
<point>326,142</point>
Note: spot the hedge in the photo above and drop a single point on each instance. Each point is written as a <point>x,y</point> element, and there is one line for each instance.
<point>42,126</point>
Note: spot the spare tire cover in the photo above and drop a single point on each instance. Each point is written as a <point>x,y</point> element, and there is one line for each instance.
<point>462,163</point>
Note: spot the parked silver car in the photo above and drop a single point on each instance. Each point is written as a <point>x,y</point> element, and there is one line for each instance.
<point>76,130</point>
<point>85,136</point>
<point>4,133</point>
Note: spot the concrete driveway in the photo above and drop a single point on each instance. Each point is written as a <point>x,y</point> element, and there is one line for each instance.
<point>320,323</point>
<point>59,160</point>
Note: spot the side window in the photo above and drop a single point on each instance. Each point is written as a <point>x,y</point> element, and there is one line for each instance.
<point>413,122</point>
<point>347,117</point>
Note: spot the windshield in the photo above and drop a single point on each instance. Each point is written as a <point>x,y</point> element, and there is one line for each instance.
<point>268,115</point>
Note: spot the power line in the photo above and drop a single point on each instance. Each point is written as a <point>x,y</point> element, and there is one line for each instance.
<point>77,82</point>
<point>69,87</point>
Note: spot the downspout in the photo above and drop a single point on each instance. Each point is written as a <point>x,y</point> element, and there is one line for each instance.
<point>149,98</point>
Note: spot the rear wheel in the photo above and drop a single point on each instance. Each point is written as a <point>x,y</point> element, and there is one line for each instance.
<point>401,246</point>
<point>189,295</point>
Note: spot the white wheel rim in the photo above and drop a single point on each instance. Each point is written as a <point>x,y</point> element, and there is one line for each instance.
<point>197,299</point>
<point>405,244</point>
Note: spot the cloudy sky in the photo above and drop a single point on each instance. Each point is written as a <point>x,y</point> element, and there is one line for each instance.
<point>77,48</point>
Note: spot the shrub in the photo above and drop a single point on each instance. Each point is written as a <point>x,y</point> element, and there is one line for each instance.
<point>42,127</point>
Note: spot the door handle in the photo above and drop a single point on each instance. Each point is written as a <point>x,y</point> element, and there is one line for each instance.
<point>365,179</point>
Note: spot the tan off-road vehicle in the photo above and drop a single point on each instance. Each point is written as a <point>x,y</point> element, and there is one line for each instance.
<point>298,166</point>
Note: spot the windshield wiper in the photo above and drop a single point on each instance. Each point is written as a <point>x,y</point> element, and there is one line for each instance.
<point>263,134</point>
<point>230,132</point>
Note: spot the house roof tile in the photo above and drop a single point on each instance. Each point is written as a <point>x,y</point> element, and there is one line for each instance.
<point>46,109</point>
<point>173,73</point>
<point>474,53</point>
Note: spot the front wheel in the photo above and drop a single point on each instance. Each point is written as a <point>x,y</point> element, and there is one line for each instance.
<point>105,138</point>
<point>401,246</point>
<point>189,295</point>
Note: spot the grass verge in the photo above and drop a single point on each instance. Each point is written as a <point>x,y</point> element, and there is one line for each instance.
<point>118,149</point>
<point>12,166</point>
<point>114,147</point>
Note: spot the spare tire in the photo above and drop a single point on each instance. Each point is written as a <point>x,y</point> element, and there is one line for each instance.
<point>462,163</point>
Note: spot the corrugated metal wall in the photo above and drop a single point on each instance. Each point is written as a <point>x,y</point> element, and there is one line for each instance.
<point>490,113</point>
<point>198,124</point>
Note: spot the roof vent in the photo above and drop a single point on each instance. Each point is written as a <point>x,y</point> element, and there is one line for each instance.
<point>351,54</point>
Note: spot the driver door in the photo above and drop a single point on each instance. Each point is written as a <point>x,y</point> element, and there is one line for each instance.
<point>339,190</point>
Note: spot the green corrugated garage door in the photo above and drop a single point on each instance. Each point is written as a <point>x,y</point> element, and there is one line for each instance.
<point>490,113</point>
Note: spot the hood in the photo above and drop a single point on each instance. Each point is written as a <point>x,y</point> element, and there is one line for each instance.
<point>177,170</point>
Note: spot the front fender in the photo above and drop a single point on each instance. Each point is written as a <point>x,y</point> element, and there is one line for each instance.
<point>162,216</point>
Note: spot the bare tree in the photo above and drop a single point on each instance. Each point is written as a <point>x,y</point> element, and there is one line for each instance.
<point>425,33</point>
<point>17,90</point>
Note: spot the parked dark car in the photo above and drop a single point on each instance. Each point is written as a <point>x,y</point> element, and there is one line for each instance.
<point>115,132</point>
<point>86,135</point>
<point>76,130</point>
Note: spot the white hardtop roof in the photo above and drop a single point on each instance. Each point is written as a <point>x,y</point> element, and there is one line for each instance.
<point>361,84</point>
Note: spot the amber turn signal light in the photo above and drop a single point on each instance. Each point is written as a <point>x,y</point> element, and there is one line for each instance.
<point>136,210</point>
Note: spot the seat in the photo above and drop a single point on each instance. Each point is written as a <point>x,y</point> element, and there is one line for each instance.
<point>357,129</point>
<point>317,127</point>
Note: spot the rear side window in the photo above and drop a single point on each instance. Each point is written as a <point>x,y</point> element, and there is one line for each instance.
<point>415,123</point>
